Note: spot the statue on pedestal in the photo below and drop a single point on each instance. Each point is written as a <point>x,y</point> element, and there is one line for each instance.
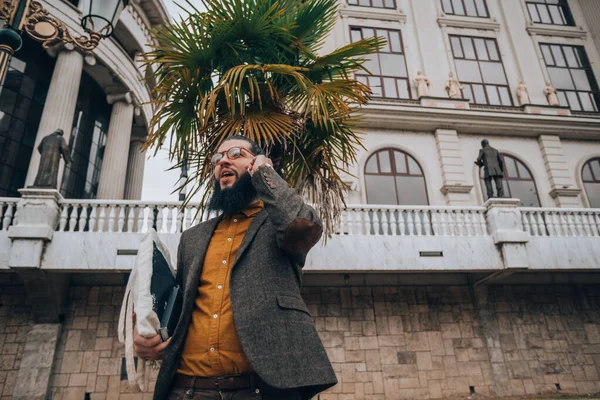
<point>51,148</point>
<point>493,168</point>
<point>453,87</point>
<point>522,93</point>
<point>422,84</point>
<point>551,94</point>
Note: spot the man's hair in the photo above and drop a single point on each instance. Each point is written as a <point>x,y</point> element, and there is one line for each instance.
<point>255,148</point>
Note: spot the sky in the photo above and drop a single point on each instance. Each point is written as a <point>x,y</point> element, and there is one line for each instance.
<point>158,182</point>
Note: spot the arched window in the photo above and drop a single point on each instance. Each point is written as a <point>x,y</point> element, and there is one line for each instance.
<point>591,181</point>
<point>394,177</point>
<point>518,182</point>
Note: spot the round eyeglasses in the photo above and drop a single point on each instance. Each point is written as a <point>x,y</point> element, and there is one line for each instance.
<point>232,153</point>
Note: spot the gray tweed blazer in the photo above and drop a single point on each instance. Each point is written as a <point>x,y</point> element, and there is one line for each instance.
<point>272,321</point>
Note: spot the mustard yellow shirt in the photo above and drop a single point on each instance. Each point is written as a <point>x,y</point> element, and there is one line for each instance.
<point>212,346</point>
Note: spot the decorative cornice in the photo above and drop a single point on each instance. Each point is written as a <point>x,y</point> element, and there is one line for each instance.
<point>414,117</point>
<point>456,189</point>
<point>564,192</point>
<point>469,23</point>
<point>576,32</point>
<point>368,13</point>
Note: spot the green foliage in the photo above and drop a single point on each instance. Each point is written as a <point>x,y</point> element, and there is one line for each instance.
<point>253,67</point>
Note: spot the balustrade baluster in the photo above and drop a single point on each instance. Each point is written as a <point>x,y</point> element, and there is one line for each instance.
<point>525,220</point>
<point>63,218</point>
<point>101,218</point>
<point>93,218</point>
<point>179,223</point>
<point>483,224</point>
<point>393,223</point>
<point>426,224</point>
<point>375,221</point>
<point>385,225</point>
<point>73,218</point>
<point>550,223</point>
<point>572,226</point>
<point>159,218</point>
<point>410,222</point>
<point>443,222</point>
<point>7,217</point>
<point>82,218</point>
<point>418,226</point>
<point>593,226</point>
<point>596,222</point>
<point>367,225</point>
<point>141,218</point>
<point>111,218</point>
<point>585,223</point>
<point>121,218</point>
<point>401,224</point>
<point>435,222</point>
<point>131,218</point>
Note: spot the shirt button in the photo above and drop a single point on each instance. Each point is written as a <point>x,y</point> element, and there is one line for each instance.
<point>220,287</point>
<point>235,220</point>
<point>215,316</point>
<point>212,349</point>
<point>229,239</point>
<point>224,261</point>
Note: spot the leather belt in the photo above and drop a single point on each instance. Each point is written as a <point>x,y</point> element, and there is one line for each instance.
<point>237,382</point>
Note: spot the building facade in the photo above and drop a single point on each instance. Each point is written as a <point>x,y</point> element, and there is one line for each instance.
<point>427,290</point>
<point>98,98</point>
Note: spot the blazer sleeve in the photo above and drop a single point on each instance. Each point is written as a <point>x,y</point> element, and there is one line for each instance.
<point>297,225</point>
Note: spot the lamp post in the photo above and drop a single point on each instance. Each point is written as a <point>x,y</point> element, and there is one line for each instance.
<point>99,20</point>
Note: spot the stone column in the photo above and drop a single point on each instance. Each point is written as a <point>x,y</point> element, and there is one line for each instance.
<point>135,166</point>
<point>455,187</point>
<point>59,108</point>
<point>564,191</point>
<point>114,164</point>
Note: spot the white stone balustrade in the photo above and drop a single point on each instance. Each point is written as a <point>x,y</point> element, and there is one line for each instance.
<point>576,222</point>
<point>8,212</point>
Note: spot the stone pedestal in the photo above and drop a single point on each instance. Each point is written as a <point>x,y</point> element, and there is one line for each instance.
<point>504,220</point>
<point>59,108</point>
<point>135,167</point>
<point>455,187</point>
<point>114,164</point>
<point>33,378</point>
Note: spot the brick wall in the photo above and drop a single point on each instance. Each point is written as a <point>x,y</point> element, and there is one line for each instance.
<point>14,325</point>
<point>387,342</point>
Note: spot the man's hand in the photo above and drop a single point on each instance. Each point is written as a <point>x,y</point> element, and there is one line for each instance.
<point>148,348</point>
<point>258,162</point>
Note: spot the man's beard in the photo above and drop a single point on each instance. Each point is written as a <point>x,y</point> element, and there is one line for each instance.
<point>235,199</point>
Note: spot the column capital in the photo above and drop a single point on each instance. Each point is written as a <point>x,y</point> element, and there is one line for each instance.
<point>116,97</point>
<point>56,49</point>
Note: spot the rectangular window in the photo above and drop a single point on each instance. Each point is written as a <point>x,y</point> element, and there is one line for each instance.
<point>480,70</point>
<point>373,3</point>
<point>469,8</point>
<point>550,12</point>
<point>389,76</point>
<point>571,76</point>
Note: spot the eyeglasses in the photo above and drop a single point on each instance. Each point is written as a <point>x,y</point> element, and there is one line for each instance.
<point>232,153</point>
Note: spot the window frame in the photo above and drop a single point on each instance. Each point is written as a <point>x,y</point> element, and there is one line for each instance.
<point>563,5</point>
<point>372,6</point>
<point>595,179</point>
<point>453,13</point>
<point>483,83</point>
<point>584,62</point>
<point>394,171</point>
<point>403,53</point>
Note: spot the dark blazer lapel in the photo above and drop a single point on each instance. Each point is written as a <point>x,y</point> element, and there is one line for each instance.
<point>252,229</point>
<point>200,243</point>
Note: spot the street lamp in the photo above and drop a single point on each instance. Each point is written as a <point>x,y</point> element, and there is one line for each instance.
<point>100,18</point>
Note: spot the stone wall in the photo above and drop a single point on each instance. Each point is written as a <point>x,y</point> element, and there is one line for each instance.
<point>14,325</point>
<point>384,342</point>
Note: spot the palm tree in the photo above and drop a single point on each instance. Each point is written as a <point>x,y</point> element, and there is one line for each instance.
<point>253,67</point>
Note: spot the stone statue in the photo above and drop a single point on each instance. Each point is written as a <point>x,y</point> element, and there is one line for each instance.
<point>493,168</point>
<point>522,93</point>
<point>453,87</point>
<point>422,84</point>
<point>51,148</point>
<point>551,94</point>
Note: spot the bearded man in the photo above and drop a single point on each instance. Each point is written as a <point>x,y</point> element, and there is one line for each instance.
<point>244,330</point>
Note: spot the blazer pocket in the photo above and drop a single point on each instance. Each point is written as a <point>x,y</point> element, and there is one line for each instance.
<point>292,303</point>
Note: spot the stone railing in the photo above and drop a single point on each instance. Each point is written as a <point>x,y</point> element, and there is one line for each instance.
<point>413,221</point>
<point>8,211</point>
<point>138,216</point>
<point>561,221</point>
<point>126,216</point>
